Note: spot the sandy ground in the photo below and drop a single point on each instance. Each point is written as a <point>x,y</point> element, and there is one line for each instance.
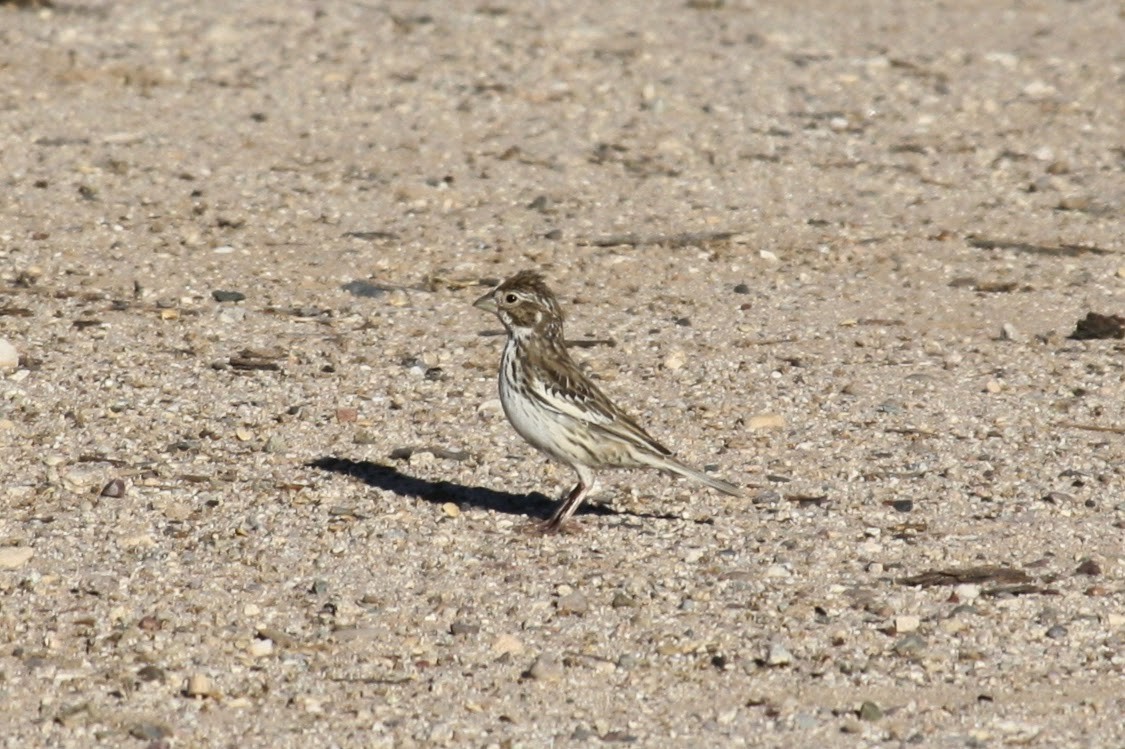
<point>833,251</point>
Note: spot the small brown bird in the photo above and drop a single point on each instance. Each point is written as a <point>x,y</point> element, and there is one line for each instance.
<point>553,404</point>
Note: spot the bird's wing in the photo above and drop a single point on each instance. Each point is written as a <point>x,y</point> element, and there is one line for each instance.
<point>564,387</point>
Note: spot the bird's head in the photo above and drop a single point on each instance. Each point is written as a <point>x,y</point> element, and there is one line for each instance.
<point>525,305</point>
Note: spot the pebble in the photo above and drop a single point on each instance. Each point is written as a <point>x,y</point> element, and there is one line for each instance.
<point>1089,567</point>
<point>450,510</point>
<point>762,421</point>
<point>114,489</point>
<point>1008,332</point>
<point>778,655</point>
<point>545,668</point>
<point>910,646</point>
<point>675,360</point>
<point>9,357</point>
<point>1057,632</point>
<point>993,386</point>
<point>906,624</point>
<point>463,627</point>
<point>777,571</point>
<point>150,731</point>
<point>622,600</point>
<point>150,673</point>
<point>260,648</point>
<point>966,592</point>
<point>198,685</point>
<point>574,603</point>
<point>12,557</point>
<point>220,295</point>
<point>870,711</point>
<point>507,645</point>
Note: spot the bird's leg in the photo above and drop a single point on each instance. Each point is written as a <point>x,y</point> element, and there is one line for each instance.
<point>566,508</point>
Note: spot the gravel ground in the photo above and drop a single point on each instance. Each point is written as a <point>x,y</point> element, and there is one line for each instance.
<point>257,489</point>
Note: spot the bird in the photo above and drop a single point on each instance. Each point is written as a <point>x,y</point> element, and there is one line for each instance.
<point>557,408</point>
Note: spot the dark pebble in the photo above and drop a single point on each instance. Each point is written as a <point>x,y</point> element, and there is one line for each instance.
<point>364,289</point>
<point>1089,567</point>
<point>150,731</point>
<point>462,627</point>
<point>1057,632</point>
<point>903,505</point>
<point>741,289</point>
<point>870,711</point>
<point>115,489</point>
<point>150,673</point>
<point>227,296</point>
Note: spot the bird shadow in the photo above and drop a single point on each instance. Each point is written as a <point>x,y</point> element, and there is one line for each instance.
<point>389,478</point>
<point>535,504</point>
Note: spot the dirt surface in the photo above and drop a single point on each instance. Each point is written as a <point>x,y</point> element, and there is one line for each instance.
<point>832,251</point>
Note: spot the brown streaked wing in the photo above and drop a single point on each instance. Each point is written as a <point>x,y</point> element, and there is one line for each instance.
<point>566,389</point>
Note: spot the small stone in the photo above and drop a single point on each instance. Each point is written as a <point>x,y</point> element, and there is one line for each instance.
<point>227,296</point>
<point>910,646</point>
<point>463,627</point>
<point>777,571</point>
<point>150,731</point>
<point>762,421</point>
<point>1057,632</point>
<point>778,655</point>
<point>951,626</point>
<point>9,357</point>
<point>274,445</point>
<point>150,673</point>
<point>906,624</point>
<point>243,434</point>
<point>622,601</point>
<point>869,711</point>
<point>573,603</point>
<point>903,505</point>
<point>1076,203</point>
<point>346,415</point>
<point>1089,567</point>
<point>507,645</point>
<point>675,360</point>
<point>741,289</point>
<point>225,249</point>
<point>1008,332</point>
<point>12,557</point>
<point>993,386</point>
<point>450,510</point>
<point>114,489</point>
<point>364,437</point>
<point>260,648</point>
<point>545,668</point>
<point>967,592</point>
<point>198,685</point>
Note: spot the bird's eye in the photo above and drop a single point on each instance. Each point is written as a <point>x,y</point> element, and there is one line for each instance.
<point>511,299</point>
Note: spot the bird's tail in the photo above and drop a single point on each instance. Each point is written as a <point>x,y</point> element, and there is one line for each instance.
<point>700,477</point>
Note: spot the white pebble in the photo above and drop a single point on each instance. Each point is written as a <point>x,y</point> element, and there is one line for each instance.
<point>12,557</point>
<point>9,357</point>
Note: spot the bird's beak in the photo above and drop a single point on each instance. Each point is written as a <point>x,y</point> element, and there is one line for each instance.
<point>486,303</point>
